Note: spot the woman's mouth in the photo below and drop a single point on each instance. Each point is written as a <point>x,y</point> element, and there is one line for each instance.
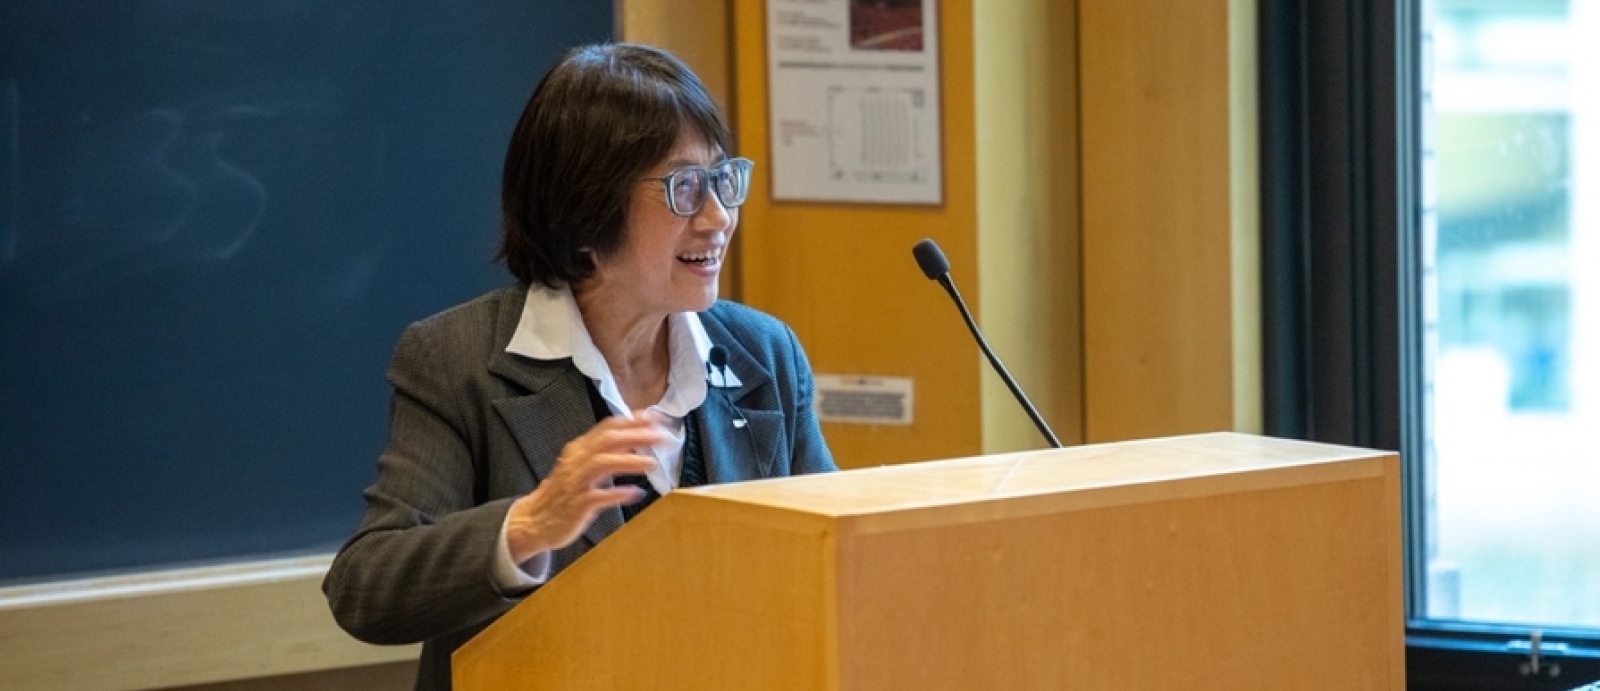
<point>710,257</point>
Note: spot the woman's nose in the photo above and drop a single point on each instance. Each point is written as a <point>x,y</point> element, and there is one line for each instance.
<point>713,213</point>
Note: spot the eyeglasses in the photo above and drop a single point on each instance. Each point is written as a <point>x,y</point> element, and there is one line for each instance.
<point>686,186</point>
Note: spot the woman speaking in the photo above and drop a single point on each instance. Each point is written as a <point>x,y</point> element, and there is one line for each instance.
<point>526,425</point>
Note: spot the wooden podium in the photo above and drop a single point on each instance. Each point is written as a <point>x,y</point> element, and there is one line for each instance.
<point>1217,561</point>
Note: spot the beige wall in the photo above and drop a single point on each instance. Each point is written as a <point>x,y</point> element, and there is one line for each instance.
<point>1030,282</point>
<point>397,676</point>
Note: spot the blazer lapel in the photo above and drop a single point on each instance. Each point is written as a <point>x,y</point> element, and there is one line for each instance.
<point>556,410</point>
<point>739,442</point>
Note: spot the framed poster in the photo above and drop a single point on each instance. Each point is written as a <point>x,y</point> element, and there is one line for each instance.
<point>854,101</point>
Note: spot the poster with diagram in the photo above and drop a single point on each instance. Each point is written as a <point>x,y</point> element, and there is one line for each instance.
<point>854,101</point>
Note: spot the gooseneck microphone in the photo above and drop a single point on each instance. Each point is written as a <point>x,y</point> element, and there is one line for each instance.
<point>937,268</point>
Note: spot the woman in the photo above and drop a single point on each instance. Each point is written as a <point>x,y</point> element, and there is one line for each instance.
<point>527,424</point>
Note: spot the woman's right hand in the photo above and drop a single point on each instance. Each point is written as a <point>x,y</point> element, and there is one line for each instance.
<point>566,502</point>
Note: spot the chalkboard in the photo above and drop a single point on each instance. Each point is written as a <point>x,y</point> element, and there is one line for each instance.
<point>216,217</point>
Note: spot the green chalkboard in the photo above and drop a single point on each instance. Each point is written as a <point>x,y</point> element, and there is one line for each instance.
<point>215,219</point>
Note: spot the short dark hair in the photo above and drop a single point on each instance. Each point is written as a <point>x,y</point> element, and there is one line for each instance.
<point>595,124</point>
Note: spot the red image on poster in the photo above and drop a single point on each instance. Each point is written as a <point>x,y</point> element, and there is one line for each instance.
<point>886,25</point>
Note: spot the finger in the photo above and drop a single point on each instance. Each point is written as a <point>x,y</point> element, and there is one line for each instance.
<point>615,440</point>
<point>640,418</point>
<point>621,495</point>
<point>607,466</point>
<point>577,475</point>
<point>599,440</point>
<point>612,427</point>
<point>617,424</point>
<point>657,420</point>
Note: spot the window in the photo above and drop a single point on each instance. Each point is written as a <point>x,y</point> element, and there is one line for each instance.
<point>1513,489</point>
<point>1431,258</point>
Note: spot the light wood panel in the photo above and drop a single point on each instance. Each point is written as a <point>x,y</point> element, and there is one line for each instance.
<point>1213,561</point>
<point>1174,594</point>
<point>705,585</point>
<point>1168,217</point>
<point>699,32</point>
<point>178,627</point>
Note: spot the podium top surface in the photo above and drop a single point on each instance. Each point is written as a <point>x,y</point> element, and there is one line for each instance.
<point>1091,475</point>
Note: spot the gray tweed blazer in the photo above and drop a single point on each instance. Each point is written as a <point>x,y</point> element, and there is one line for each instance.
<point>471,427</point>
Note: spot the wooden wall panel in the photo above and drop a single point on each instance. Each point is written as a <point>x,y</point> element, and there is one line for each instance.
<point>842,274</point>
<point>1165,350</point>
<point>699,32</point>
<point>1100,217</point>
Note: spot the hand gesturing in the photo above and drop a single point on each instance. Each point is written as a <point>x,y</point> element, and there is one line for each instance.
<point>567,501</point>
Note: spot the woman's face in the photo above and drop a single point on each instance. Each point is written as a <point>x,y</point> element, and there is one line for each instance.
<point>669,263</point>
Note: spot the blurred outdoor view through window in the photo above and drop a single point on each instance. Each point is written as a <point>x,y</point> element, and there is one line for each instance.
<point>1511,310</point>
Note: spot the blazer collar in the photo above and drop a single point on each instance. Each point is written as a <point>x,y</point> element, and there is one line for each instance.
<point>527,373</point>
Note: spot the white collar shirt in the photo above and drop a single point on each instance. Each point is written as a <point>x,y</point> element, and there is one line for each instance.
<point>551,328</point>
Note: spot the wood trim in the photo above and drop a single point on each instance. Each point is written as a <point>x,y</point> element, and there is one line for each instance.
<point>1244,197</point>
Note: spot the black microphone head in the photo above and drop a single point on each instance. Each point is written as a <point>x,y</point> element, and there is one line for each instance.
<point>719,357</point>
<point>930,259</point>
